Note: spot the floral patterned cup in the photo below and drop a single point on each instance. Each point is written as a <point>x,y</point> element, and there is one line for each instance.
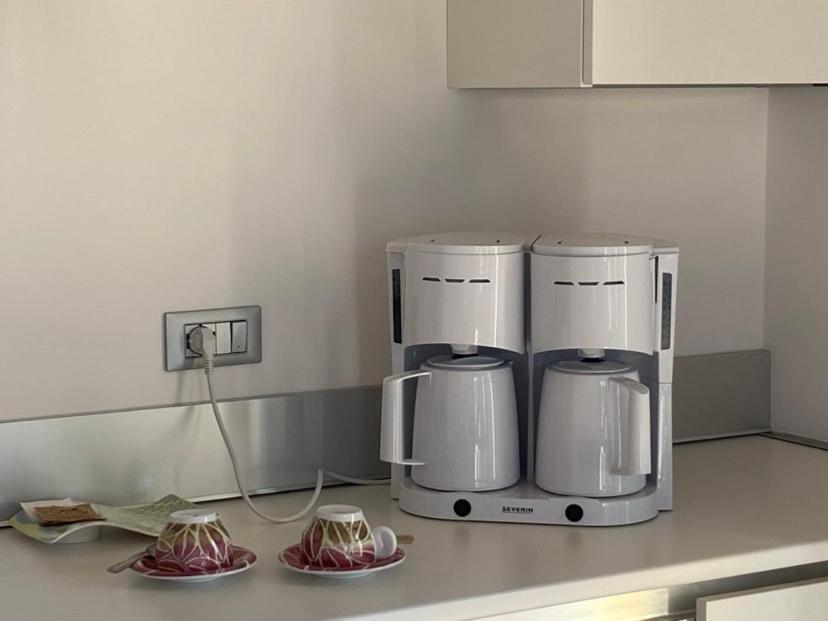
<point>339,536</point>
<point>194,542</point>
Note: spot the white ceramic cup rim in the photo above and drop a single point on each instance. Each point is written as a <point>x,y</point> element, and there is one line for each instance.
<point>193,516</point>
<point>340,513</point>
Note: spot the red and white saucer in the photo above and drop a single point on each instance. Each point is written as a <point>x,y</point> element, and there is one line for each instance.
<point>293,558</point>
<point>243,559</point>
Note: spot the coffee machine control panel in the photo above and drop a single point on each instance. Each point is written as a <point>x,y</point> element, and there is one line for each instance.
<point>666,310</point>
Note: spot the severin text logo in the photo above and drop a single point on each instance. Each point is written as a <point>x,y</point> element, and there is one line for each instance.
<point>510,509</point>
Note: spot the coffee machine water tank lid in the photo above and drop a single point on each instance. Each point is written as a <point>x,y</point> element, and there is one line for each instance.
<point>592,245</point>
<point>467,242</point>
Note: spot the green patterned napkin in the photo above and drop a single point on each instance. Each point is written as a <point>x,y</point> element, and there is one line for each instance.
<point>147,519</point>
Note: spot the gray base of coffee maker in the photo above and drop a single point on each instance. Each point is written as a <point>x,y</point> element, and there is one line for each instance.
<point>524,502</point>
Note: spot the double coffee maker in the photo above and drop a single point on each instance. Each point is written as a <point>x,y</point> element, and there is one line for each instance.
<point>532,377</point>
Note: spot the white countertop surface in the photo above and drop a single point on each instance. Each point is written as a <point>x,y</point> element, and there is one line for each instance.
<point>741,506</point>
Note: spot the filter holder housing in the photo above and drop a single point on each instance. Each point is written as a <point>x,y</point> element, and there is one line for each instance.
<point>461,289</point>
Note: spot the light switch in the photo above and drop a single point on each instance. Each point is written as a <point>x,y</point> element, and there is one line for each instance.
<point>239,339</point>
<point>223,338</point>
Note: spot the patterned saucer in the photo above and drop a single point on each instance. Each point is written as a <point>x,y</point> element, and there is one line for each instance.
<point>243,559</point>
<point>293,558</point>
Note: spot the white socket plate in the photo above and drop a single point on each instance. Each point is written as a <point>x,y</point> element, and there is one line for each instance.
<point>175,336</point>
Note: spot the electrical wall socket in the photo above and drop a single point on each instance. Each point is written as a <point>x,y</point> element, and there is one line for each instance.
<point>238,334</point>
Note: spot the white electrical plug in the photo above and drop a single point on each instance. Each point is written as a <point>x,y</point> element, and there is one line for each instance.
<point>202,341</point>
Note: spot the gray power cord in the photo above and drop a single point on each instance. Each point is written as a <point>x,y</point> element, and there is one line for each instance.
<point>202,341</point>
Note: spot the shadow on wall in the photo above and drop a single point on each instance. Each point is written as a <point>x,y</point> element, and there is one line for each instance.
<point>438,160</point>
<point>459,178</point>
<point>202,155</point>
<point>372,146</point>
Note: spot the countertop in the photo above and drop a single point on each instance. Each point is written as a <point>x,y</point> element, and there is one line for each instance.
<point>742,505</point>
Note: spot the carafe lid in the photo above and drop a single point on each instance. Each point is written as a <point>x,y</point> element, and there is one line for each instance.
<point>465,242</point>
<point>465,363</point>
<point>592,245</point>
<point>591,367</point>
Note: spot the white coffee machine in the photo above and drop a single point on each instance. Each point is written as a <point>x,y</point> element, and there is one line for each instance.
<point>579,329</point>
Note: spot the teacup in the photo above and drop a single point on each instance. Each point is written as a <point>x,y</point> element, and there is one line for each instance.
<point>194,541</point>
<point>339,536</point>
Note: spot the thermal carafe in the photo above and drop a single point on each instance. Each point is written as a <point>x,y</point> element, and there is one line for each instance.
<point>465,423</point>
<point>593,429</point>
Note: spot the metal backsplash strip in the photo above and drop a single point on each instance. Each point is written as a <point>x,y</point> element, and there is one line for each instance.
<point>130,457</point>
<point>717,395</point>
<point>795,439</point>
<point>135,456</point>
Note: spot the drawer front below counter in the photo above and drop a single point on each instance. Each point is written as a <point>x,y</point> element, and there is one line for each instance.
<point>801,601</point>
<point>793,594</point>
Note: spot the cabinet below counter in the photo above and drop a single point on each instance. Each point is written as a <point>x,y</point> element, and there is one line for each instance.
<point>749,512</point>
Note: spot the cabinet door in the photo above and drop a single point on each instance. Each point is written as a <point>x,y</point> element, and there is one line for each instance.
<point>514,43</point>
<point>802,601</point>
<point>641,42</point>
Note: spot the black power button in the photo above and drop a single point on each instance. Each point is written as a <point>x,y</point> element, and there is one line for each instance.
<point>574,513</point>
<point>462,508</point>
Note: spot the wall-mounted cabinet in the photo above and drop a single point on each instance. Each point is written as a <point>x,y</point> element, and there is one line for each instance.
<point>574,43</point>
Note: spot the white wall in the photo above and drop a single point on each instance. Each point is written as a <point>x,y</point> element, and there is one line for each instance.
<point>797,256</point>
<point>159,156</point>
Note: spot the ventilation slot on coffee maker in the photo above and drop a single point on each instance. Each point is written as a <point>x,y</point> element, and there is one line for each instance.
<point>564,282</point>
<point>430,279</point>
<point>455,280</point>
<point>613,282</point>
<point>589,283</point>
<point>479,281</point>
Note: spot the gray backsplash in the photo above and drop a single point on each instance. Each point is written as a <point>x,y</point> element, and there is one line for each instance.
<point>140,455</point>
<point>721,394</point>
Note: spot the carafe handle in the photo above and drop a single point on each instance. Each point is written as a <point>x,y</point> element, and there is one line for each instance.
<point>392,440</point>
<point>634,428</point>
